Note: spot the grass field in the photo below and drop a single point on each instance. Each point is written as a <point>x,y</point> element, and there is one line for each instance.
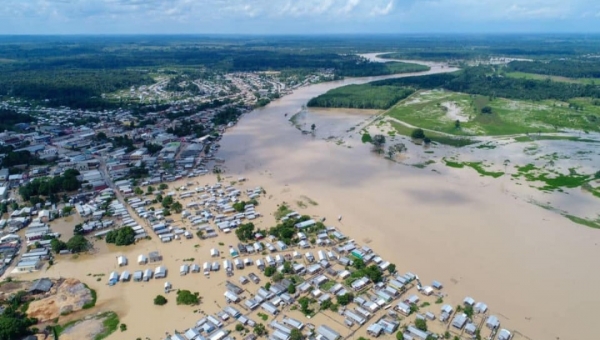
<point>435,137</point>
<point>535,76</point>
<point>438,110</point>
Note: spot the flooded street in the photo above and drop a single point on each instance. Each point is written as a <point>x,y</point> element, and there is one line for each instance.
<point>455,227</point>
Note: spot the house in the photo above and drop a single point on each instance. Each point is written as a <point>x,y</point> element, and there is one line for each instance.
<point>147,275</point>
<point>403,308</point>
<point>138,275</point>
<point>41,286</point>
<point>355,317</point>
<point>492,322</point>
<point>121,261</point>
<point>480,307</point>
<point>416,333</point>
<point>191,334</point>
<point>125,276</point>
<point>459,321</point>
<point>195,268</point>
<point>327,333</point>
<point>293,323</point>
<point>160,272</point>
<point>503,334</point>
<point>154,256</point>
<point>28,265</point>
<point>375,330</point>
<point>270,308</point>
<point>470,328</point>
<point>231,297</point>
<point>113,278</point>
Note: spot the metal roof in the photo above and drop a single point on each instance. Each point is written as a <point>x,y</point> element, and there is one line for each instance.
<point>41,285</point>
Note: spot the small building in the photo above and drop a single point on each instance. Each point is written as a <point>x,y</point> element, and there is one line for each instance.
<point>194,268</point>
<point>293,323</point>
<point>28,265</point>
<point>403,308</point>
<point>480,307</point>
<point>328,333</point>
<point>469,301</point>
<point>437,285</point>
<point>121,261</point>
<point>270,308</point>
<point>503,334</point>
<point>231,297</point>
<point>41,286</point>
<point>470,329</point>
<point>375,330</point>
<point>147,275</point>
<point>125,276</point>
<point>113,278</point>
<point>459,321</point>
<point>492,322</point>
<point>142,259</point>
<point>138,275</point>
<point>160,272</point>
<point>417,333</point>
<point>154,256</point>
<point>183,270</point>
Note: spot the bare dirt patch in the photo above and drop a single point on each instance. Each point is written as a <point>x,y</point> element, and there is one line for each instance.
<point>69,297</point>
<point>454,112</point>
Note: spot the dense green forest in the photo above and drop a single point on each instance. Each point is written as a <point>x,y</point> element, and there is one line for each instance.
<point>364,96</point>
<point>563,68</point>
<point>483,80</point>
<point>75,71</point>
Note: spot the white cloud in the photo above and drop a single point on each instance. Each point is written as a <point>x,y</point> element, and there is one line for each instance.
<point>379,11</point>
<point>197,16</point>
<point>350,5</point>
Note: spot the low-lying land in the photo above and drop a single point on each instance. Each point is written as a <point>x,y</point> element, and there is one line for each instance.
<point>475,115</point>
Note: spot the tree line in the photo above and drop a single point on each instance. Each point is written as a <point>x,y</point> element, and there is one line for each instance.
<point>483,80</point>
<point>563,68</point>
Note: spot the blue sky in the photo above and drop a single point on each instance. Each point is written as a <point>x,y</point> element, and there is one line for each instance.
<point>296,17</point>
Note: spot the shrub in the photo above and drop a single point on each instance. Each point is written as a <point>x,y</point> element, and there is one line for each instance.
<point>185,297</point>
<point>418,134</point>
<point>160,300</point>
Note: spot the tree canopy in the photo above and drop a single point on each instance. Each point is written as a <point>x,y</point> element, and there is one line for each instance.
<point>121,237</point>
<point>51,186</point>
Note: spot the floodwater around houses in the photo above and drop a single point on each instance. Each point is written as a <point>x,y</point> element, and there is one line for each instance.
<point>451,226</point>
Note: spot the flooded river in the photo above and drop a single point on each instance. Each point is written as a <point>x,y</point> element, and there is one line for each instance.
<point>526,263</point>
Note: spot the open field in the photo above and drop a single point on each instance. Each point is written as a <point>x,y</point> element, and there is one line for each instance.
<point>535,76</point>
<point>439,110</point>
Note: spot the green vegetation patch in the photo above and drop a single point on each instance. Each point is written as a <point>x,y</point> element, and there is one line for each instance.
<point>94,298</point>
<point>110,323</point>
<point>584,221</point>
<point>470,115</point>
<point>477,166</point>
<point>553,180</point>
<point>435,137</point>
<point>363,96</point>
